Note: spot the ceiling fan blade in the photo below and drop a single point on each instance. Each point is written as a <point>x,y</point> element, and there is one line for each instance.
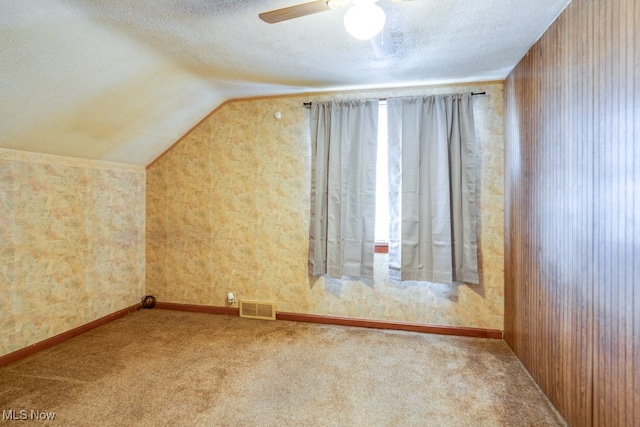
<point>296,11</point>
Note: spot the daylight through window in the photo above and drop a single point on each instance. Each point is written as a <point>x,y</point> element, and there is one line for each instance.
<point>382,178</point>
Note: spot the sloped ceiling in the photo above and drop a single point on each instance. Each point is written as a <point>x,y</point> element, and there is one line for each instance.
<point>122,80</point>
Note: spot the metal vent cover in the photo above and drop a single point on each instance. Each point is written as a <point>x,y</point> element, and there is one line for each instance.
<point>258,309</point>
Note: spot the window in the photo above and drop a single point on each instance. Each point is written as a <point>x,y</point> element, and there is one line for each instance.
<point>428,163</point>
<point>382,183</point>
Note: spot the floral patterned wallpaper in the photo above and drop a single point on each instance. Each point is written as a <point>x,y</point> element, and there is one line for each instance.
<point>228,210</point>
<point>71,243</point>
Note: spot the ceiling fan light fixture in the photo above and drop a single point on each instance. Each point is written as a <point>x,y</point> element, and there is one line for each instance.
<point>364,20</point>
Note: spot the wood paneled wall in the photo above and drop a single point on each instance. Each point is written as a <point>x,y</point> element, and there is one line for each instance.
<point>572,212</point>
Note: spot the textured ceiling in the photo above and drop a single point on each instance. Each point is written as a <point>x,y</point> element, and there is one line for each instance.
<point>122,80</point>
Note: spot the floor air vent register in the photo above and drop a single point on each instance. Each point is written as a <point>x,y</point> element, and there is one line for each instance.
<point>258,310</point>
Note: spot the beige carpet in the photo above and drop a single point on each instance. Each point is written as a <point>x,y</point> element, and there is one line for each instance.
<point>159,367</point>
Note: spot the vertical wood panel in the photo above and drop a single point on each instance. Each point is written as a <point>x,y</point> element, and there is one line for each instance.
<point>572,212</point>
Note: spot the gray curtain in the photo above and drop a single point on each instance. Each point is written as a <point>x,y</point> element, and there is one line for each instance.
<point>432,189</point>
<point>341,234</point>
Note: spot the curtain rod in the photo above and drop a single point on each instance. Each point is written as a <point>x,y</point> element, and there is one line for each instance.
<point>308,104</point>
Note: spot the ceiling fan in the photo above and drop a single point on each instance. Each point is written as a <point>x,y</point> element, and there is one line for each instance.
<point>364,20</point>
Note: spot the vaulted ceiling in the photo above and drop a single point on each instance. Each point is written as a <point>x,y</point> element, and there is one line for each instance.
<point>122,80</point>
